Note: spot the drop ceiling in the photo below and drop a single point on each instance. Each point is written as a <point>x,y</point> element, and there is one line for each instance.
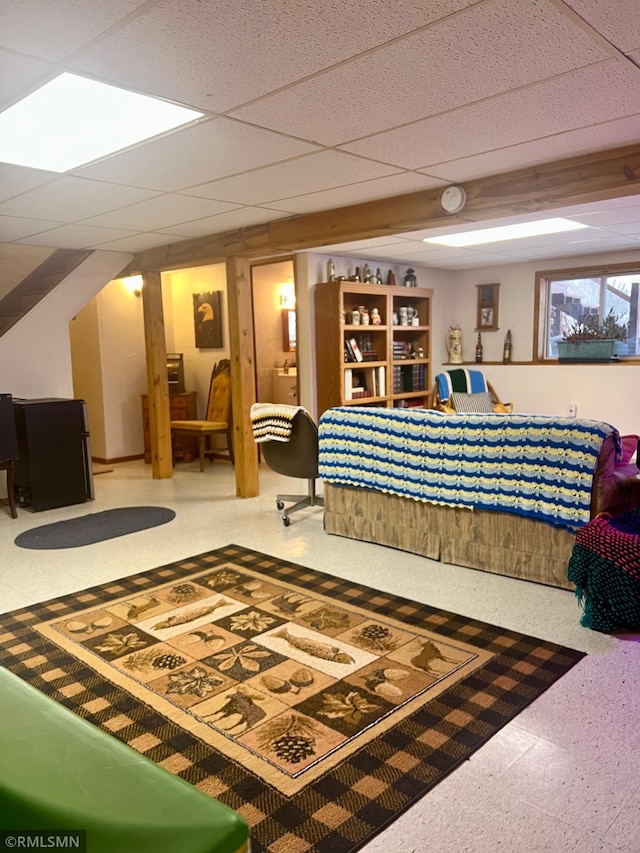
<point>310,106</point>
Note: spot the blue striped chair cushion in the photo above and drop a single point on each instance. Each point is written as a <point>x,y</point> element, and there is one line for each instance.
<point>471,403</point>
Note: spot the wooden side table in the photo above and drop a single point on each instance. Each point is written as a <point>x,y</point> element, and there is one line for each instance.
<point>182,407</point>
<point>8,466</point>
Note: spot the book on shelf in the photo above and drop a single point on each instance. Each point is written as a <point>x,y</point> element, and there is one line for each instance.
<point>401,350</point>
<point>355,349</point>
<point>348,384</point>
<point>348,351</point>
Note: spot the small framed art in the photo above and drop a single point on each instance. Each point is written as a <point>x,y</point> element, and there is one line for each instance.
<point>207,315</point>
<point>487,319</point>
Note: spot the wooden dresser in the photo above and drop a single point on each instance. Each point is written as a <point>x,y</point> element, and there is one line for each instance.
<point>182,407</point>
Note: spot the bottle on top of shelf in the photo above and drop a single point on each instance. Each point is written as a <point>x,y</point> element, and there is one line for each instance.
<point>506,353</point>
<point>331,270</point>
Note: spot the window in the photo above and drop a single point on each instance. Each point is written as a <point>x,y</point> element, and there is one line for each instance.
<point>595,296</point>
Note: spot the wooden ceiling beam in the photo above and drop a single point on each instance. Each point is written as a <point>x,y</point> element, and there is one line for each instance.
<point>201,251</point>
<point>578,180</point>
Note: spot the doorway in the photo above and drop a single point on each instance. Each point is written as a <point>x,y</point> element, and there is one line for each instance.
<point>275,324</point>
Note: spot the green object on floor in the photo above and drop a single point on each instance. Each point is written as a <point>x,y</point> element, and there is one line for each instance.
<point>60,772</point>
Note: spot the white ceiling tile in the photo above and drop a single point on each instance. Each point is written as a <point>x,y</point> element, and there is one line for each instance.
<point>572,143</point>
<point>408,251</point>
<point>559,258</point>
<point>493,47</point>
<point>242,217</point>
<point>160,213</point>
<point>138,242</point>
<point>199,153</point>
<point>308,174</point>
<point>604,204</point>
<point>557,255</point>
<point>75,237</point>
<point>14,228</point>
<point>18,74</point>
<point>478,71</point>
<point>69,199</point>
<point>591,95</point>
<point>610,217</point>
<point>404,182</point>
<point>18,179</point>
<point>604,241</point>
<point>367,245</point>
<point>458,226</point>
<point>54,29</point>
<point>473,260</point>
<point>630,228</point>
<point>618,21</point>
<point>246,50</point>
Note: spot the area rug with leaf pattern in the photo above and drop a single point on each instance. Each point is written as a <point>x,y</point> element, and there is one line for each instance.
<point>318,708</point>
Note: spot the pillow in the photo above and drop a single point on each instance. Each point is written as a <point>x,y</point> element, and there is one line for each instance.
<point>471,403</point>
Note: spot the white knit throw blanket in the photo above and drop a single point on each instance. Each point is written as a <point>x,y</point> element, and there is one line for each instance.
<point>270,422</point>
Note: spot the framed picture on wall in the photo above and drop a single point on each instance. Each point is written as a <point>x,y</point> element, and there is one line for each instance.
<point>487,320</point>
<point>207,317</point>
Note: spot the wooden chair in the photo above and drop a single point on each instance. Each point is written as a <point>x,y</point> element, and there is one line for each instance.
<point>466,382</point>
<point>218,418</point>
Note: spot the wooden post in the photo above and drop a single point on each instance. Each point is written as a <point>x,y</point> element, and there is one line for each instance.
<point>157,378</point>
<point>243,376</point>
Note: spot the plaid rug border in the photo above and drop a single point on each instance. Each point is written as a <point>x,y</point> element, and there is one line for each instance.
<point>343,810</point>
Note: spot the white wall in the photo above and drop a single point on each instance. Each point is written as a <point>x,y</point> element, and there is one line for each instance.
<point>35,354</point>
<point>86,364</point>
<point>602,392</point>
<point>268,281</point>
<point>178,289</point>
<point>124,371</point>
<point>110,360</point>
<point>36,358</point>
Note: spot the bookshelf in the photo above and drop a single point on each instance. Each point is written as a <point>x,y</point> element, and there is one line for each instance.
<point>386,363</point>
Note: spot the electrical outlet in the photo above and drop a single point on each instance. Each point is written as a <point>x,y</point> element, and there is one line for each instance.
<point>572,410</point>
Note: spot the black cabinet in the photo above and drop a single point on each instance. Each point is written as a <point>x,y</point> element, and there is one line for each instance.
<point>54,456</point>
<point>8,441</point>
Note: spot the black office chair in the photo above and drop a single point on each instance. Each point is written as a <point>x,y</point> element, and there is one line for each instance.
<point>297,457</point>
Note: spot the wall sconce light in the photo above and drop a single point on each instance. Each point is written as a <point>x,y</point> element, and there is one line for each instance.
<point>133,285</point>
<point>287,296</point>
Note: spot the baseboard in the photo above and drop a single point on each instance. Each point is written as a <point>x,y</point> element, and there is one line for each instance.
<point>113,461</point>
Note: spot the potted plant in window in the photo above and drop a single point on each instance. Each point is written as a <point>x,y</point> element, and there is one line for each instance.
<point>591,339</point>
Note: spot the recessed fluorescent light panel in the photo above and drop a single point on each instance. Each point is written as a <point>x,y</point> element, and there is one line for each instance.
<point>73,120</point>
<point>507,232</point>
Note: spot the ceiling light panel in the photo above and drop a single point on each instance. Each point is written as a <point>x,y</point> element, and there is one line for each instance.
<point>506,232</point>
<point>73,120</point>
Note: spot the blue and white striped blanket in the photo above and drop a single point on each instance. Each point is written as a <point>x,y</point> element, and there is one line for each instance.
<point>531,465</point>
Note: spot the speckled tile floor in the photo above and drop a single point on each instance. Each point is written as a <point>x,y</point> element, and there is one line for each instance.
<point>562,777</point>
